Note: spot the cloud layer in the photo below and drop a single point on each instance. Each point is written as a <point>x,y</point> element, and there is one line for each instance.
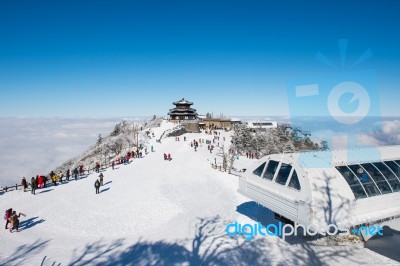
<point>31,146</point>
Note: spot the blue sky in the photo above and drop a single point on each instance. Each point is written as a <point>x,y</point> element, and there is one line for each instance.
<point>124,58</point>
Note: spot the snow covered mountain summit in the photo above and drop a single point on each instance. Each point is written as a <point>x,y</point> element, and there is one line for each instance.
<point>154,212</point>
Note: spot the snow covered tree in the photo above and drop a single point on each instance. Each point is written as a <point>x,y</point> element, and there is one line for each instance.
<point>243,138</point>
<point>275,140</point>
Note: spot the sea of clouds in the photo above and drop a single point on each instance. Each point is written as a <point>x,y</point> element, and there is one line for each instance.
<point>31,146</point>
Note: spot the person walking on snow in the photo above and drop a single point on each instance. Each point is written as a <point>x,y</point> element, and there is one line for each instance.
<point>101,179</point>
<point>113,165</point>
<point>97,186</point>
<point>169,157</point>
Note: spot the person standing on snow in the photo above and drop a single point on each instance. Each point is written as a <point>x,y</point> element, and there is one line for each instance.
<point>75,173</point>
<point>81,170</point>
<point>33,185</point>
<point>24,184</point>
<point>40,182</point>
<point>101,179</point>
<point>7,216</point>
<point>97,186</point>
<point>97,167</point>
<point>54,178</point>
<point>68,175</point>
<point>60,175</point>
<point>15,221</point>
<point>45,179</point>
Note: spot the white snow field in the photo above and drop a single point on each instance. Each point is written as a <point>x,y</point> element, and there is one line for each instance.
<point>156,212</point>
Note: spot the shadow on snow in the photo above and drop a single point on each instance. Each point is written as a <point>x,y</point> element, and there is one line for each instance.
<point>31,222</point>
<point>109,182</point>
<point>209,245</point>
<point>24,251</point>
<point>104,190</point>
<point>388,245</point>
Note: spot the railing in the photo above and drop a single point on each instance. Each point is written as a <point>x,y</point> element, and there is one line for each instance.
<point>49,182</point>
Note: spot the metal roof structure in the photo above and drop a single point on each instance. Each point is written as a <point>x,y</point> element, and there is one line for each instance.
<point>347,186</point>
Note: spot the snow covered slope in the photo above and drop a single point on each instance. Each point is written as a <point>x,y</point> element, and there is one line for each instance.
<point>155,212</point>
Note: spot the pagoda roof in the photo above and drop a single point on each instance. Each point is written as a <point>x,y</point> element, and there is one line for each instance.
<point>177,111</point>
<point>182,101</point>
<point>182,110</point>
<point>172,113</point>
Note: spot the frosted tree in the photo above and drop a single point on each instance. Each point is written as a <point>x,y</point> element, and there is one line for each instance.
<point>243,139</point>
<point>275,140</point>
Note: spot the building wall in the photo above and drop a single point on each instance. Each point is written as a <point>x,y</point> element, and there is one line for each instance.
<point>182,117</point>
<point>217,123</point>
<point>192,126</point>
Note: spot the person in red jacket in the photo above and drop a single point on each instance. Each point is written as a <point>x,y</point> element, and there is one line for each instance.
<point>40,181</point>
<point>7,216</point>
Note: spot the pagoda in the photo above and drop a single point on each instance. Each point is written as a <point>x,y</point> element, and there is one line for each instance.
<point>182,111</point>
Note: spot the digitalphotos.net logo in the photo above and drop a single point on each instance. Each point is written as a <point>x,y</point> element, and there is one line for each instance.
<point>249,231</point>
<point>345,97</point>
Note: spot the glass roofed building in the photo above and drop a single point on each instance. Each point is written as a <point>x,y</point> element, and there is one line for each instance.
<point>349,187</point>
